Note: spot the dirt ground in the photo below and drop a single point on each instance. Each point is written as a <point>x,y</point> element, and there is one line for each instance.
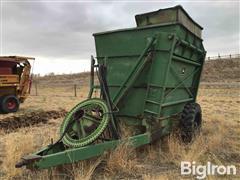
<point>218,142</point>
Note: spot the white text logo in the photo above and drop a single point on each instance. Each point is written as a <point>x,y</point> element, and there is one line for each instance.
<point>201,171</point>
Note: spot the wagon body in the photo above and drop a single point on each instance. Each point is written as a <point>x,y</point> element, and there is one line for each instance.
<point>166,83</point>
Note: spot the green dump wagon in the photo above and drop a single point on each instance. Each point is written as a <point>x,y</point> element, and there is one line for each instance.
<point>148,82</point>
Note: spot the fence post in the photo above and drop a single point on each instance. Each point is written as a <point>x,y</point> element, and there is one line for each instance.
<point>36,89</point>
<point>75,90</point>
<point>230,56</point>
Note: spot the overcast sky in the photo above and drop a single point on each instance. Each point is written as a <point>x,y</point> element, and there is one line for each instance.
<point>59,34</point>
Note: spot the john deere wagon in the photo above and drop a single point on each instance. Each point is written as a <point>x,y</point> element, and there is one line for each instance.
<point>149,78</point>
<point>14,82</point>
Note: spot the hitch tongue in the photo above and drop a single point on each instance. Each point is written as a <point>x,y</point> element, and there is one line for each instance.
<point>27,160</point>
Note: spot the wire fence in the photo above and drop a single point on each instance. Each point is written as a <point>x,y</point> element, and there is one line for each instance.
<point>70,90</point>
<point>220,57</point>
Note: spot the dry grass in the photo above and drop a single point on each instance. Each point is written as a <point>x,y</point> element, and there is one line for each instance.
<point>122,159</point>
<point>23,142</point>
<point>218,143</point>
<point>85,170</point>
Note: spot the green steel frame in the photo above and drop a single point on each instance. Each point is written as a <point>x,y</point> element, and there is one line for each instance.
<point>58,156</point>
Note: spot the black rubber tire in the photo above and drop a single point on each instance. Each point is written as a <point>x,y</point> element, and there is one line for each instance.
<point>190,122</point>
<point>5,104</point>
<point>1,103</point>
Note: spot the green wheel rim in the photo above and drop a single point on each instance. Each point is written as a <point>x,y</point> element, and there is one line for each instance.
<point>96,118</point>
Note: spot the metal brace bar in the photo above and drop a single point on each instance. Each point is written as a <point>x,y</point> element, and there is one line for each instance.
<point>182,82</point>
<point>176,102</point>
<point>186,61</point>
<point>173,46</point>
<point>185,43</point>
<point>91,77</point>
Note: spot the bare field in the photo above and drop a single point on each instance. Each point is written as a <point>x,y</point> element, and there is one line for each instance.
<point>219,141</point>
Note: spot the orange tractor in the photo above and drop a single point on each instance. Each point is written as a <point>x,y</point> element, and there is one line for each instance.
<point>15,82</point>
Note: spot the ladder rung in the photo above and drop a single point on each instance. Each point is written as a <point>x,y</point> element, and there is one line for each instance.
<point>153,102</point>
<point>150,112</point>
<point>155,85</point>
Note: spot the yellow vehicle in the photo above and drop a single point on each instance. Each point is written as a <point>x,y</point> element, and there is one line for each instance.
<point>15,82</point>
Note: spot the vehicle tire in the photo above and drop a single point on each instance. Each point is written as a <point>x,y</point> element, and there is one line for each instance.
<point>190,122</point>
<point>9,104</point>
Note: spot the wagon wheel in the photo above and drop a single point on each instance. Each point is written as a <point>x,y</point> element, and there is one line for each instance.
<point>85,123</point>
<point>190,122</point>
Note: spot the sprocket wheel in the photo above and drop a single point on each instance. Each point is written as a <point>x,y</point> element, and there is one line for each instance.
<point>85,123</point>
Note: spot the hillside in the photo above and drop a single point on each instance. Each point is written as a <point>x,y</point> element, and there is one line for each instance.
<point>224,70</point>
<point>217,71</point>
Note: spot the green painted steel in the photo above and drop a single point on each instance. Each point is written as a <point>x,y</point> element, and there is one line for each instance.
<point>166,83</point>
<point>169,15</point>
<point>152,71</point>
<point>58,156</point>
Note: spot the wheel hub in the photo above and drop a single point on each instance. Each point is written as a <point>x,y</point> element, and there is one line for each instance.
<point>11,104</point>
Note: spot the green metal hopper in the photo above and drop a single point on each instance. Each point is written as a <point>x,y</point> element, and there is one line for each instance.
<point>166,82</point>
